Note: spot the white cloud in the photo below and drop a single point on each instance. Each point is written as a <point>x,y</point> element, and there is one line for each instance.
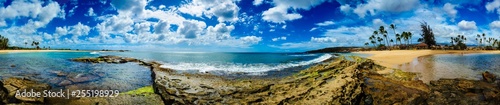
<point>495,25</point>
<point>227,11</point>
<point>224,10</point>
<point>191,28</point>
<point>467,25</point>
<point>279,38</point>
<point>279,13</point>
<point>130,7</point>
<point>324,40</point>
<point>325,23</point>
<point>492,6</point>
<point>37,15</point>
<point>374,6</point>
<point>90,12</point>
<point>72,11</point>
<point>345,8</point>
<point>79,30</point>
<point>220,31</point>
<point>314,28</point>
<point>162,27</point>
<point>251,39</point>
<point>61,30</point>
<point>283,27</point>
<point>257,2</point>
<point>142,28</point>
<point>75,30</point>
<point>115,24</point>
<point>378,22</point>
<point>450,10</point>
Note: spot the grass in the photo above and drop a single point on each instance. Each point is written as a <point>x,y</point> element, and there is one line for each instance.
<point>147,90</point>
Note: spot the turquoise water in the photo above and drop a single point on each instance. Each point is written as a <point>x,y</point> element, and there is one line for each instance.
<point>44,66</point>
<point>468,66</point>
<point>226,62</point>
<point>41,65</point>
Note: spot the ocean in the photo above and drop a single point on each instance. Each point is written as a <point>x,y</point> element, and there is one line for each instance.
<point>468,66</point>
<point>45,66</point>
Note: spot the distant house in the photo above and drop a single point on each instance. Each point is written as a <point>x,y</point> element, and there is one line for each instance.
<point>421,46</point>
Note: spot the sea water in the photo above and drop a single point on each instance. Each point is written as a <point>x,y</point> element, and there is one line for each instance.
<point>468,66</point>
<point>40,66</point>
<point>227,62</point>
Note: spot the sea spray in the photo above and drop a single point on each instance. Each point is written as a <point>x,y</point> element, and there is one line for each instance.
<point>239,67</point>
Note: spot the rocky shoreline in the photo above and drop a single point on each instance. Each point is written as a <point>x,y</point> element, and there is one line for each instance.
<point>338,81</point>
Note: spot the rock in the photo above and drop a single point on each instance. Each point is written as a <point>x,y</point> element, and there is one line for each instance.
<point>14,84</point>
<point>65,82</point>
<point>3,93</point>
<point>488,77</point>
<point>56,80</point>
<point>12,65</point>
<point>84,78</point>
<point>100,74</point>
<point>59,73</point>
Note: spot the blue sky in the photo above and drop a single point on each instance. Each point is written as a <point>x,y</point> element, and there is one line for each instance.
<point>236,25</point>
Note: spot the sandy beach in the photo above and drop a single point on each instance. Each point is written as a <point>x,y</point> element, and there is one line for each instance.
<point>396,57</point>
<point>21,51</point>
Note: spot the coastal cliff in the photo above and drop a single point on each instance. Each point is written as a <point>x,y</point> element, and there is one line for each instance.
<point>340,81</point>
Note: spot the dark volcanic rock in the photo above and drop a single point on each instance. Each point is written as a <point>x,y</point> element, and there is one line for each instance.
<point>3,93</point>
<point>14,84</point>
<point>488,77</point>
<point>338,81</point>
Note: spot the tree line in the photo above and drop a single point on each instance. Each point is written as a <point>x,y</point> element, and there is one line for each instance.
<point>379,39</point>
<point>4,44</point>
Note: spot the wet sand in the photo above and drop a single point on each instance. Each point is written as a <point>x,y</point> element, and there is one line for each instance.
<point>394,58</point>
<point>421,61</point>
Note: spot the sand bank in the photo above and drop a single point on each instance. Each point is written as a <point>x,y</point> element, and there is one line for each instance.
<point>394,58</point>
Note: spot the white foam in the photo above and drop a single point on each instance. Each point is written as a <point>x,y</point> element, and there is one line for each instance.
<point>301,55</point>
<point>94,52</point>
<point>250,68</point>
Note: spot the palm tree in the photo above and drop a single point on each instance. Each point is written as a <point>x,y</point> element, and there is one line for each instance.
<point>478,40</point>
<point>398,38</point>
<point>379,39</point>
<point>392,41</point>
<point>452,40</point>
<point>25,44</point>
<point>374,43</point>
<point>409,37</point>
<point>366,44</point>
<point>375,34</point>
<point>393,27</point>
<point>384,33</point>
<point>405,37</point>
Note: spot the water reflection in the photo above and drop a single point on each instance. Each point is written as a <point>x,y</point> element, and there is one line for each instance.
<point>467,66</point>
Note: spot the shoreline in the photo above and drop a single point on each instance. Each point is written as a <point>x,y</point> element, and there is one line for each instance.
<point>394,58</point>
<point>27,51</point>
<point>339,81</point>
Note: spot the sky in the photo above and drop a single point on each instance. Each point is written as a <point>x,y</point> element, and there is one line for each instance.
<point>237,25</point>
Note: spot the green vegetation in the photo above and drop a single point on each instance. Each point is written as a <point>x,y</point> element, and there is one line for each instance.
<point>427,35</point>
<point>403,40</point>
<point>141,91</point>
<point>458,42</point>
<point>4,42</point>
